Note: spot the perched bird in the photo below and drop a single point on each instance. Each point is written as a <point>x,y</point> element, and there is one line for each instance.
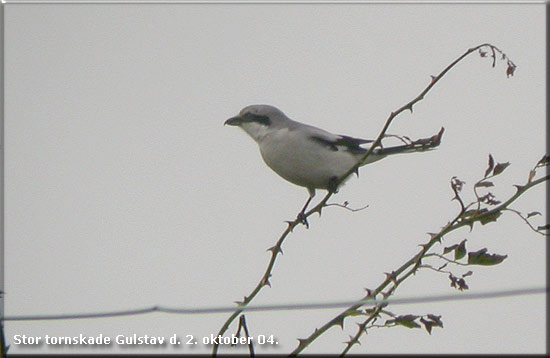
<point>305,155</point>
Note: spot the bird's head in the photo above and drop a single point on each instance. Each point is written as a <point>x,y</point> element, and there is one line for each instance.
<point>258,120</point>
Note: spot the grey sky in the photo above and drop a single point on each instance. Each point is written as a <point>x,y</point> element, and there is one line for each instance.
<point>123,189</point>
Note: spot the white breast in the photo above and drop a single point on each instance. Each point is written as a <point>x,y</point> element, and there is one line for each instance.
<point>302,161</point>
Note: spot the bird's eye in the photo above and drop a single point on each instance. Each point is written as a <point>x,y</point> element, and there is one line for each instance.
<point>258,119</point>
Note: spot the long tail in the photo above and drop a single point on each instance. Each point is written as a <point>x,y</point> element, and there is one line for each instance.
<point>419,145</point>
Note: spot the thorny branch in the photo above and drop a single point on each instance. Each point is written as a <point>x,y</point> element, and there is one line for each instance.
<point>425,143</point>
<point>395,278</point>
<point>244,327</point>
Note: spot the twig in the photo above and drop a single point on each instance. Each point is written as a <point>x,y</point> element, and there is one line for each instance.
<point>242,324</point>
<point>406,270</point>
<point>446,259</point>
<point>345,206</point>
<point>440,269</point>
<point>527,222</point>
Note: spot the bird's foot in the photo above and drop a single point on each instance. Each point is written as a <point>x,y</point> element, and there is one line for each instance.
<point>303,219</point>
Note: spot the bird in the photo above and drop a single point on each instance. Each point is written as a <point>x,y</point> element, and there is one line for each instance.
<point>308,156</point>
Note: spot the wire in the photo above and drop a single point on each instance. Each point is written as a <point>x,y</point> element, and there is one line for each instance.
<point>278,2</point>
<point>284,307</point>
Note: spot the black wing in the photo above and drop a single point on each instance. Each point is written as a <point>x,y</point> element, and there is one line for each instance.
<point>350,144</point>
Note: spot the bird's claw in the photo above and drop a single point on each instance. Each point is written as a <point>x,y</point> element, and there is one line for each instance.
<point>303,219</point>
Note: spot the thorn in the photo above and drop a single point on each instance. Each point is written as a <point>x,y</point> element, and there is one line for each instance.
<point>356,171</point>
<point>361,328</point>
<point>319,211</point>
<point>352,341</point>
<point>275,250</point>
<point>339,321</point>
<point>391,276</point>
<point>290,225</point>
<point>437,139</point>
<point>518,187</point>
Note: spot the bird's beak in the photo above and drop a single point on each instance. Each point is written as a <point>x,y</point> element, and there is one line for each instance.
<point>234,121</point>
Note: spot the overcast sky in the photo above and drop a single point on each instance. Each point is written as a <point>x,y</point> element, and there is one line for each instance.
<point>124,190</point>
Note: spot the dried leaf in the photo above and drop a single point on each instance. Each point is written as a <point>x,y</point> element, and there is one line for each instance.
<point>499,168</point>
<point>481,257</point>
<point>462,284</point>
<point>460,251</point>
<point>436,320</point>
<point>490,218</point>
<point>544,161</point>
<point>491,165</point>
<point>493,202</point>
<point>405,321</point>
<point>510,70</point>
<point>453,280</point>
<point>489,198</point>
<point>457,184</point>
<point>484,184</point>
<point>533,213</point>
<point>449,249</point>
<point>531,175</point>
<point>427,324</point>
